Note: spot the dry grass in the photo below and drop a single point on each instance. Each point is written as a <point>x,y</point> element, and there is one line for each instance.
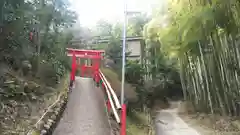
<point>207,124</point>
<point>113,79</point>
<point>138,124</point>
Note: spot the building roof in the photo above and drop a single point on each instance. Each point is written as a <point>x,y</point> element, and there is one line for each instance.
<point>128,39</point>
<point>106,40</point>
<point>133,38</point>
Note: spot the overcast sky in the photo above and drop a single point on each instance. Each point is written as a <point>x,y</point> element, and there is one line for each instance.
<point>90,11</point>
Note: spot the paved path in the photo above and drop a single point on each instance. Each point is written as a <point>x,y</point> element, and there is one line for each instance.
<point>85,113</point>
<point>169,123</point>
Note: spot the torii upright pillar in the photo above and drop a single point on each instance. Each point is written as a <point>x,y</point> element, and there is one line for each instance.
<point>73,72</point>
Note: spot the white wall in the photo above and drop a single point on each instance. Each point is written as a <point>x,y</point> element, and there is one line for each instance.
<point>134,47</point>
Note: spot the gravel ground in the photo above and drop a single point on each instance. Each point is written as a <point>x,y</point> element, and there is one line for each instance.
<point>171,124</point>
<point>168,122</point>
<point>85,113</point>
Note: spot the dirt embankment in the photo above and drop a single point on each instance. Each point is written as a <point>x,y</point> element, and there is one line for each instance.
<point>22,101</point>
<point>113,79</point>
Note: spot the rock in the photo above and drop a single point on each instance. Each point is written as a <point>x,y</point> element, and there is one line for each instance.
<point>43,132</point>
<point>26,67</point>
<point>31,87</point>
<point>50,121</point>
<point>53,117</point>
<point>46,126</point>
<point>58,109</point>
<point>56,112</point>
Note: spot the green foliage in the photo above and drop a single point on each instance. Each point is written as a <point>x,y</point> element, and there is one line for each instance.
<point>134,73</point>
<point>48,20</point>
<point>34,66</point>
<point>165,80</point>
<point>114,50</point>
<point>102,46</point>
<point>136,25</point>
<point>202,36</point>
<point>104,28</point>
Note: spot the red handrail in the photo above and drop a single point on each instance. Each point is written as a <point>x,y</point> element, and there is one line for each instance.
<point>111,105</point>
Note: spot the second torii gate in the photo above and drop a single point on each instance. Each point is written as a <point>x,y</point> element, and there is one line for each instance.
<point>94,55</point>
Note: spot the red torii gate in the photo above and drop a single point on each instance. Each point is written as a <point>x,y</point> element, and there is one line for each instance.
<point>94,55</point>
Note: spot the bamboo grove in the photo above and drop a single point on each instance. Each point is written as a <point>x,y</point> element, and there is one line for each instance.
<point>203,36</point>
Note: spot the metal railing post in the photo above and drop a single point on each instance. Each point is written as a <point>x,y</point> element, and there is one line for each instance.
<point>123,119</point>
